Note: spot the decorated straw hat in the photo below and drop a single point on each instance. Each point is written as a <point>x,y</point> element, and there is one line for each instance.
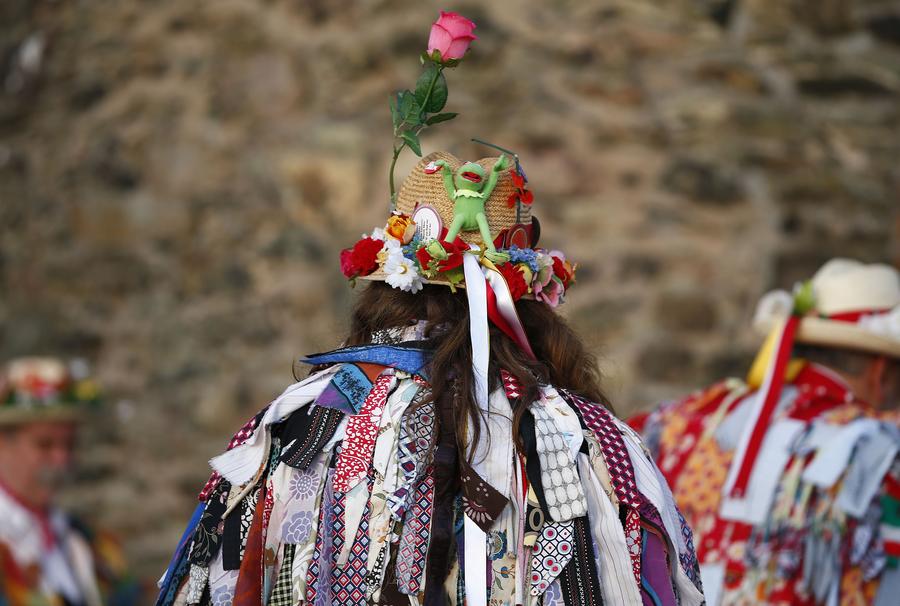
<point>44,389</point>
<point>850,305</point>
<point>402,253</point>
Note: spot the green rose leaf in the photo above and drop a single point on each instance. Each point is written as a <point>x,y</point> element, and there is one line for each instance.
<point>412,139</point>
<point>424,82</point>
<point>409,106</point>
<point>438,95</point>
<point>437,118</point>
<point>435,101</point>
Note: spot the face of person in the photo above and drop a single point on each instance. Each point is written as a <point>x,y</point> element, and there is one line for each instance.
<point>35,460</point>
<point>891,386</point>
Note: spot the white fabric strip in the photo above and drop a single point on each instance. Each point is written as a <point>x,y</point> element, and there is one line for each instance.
<point>866,472</point>
<point>493,460</point>
<point>240,464</point>
<point>521,555</point>
<point>617,584</point>
<point>712,577</point>
<point>475,539</point>
<point>831,461</point>
<point>688,595</point>
<point>776,449</point>
<point>645,474</point>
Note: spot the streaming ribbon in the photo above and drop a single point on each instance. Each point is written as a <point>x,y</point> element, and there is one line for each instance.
<point>488,296</point>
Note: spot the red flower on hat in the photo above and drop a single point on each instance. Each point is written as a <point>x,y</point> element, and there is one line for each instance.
<point>521,194</point>
<point>515,279</point>
<point>361,260</point>
<point>563,270</point>
<point>454,258</point>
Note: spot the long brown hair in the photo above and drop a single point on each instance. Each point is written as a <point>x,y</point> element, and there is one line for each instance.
<point>562,359</point>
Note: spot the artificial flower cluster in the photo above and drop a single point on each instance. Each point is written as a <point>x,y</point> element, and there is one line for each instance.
<point>543,274</point>
<point>31,382</point>
<point>407,263</point>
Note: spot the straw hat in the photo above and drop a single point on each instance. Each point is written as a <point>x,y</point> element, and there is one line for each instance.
<point>44,389</point>
<point>398,253</point>
<point>854,306</point>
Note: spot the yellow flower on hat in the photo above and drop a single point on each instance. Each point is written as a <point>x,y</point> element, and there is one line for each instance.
<point>401,227</point>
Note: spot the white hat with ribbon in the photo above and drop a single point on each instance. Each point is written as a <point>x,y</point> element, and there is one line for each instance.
<point>853,306</point>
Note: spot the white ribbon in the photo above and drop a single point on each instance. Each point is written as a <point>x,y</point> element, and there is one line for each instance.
<point>475,538</point>
<point>477,278</point>
<point>617,584</point>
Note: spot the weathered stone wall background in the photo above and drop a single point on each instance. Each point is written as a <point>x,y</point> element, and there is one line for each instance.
<point>177,178</point>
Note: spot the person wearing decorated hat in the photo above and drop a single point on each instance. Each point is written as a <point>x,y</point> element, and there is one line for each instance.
<point>47,556</point>
<point>456,448</point>
<point>791,479</point>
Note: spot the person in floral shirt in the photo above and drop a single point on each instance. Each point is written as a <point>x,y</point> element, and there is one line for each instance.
<point>790,477</point>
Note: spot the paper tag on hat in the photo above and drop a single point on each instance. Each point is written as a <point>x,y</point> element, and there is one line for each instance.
<point>428,223</point>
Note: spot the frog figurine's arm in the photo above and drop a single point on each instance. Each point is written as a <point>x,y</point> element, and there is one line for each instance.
<point>447,174</point>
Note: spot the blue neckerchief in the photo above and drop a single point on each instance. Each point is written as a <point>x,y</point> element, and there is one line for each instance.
<point>409,356</point>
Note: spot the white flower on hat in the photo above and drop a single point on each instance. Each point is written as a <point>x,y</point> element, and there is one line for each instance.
<point>886,324</point>
<point>401,273</point>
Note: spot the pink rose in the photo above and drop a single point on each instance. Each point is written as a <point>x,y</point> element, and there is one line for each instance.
<point>451,36</point>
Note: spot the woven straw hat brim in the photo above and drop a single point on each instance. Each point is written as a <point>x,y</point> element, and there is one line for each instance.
<point>840,335</point>
<point>379,276</point>
<point>20,415</point>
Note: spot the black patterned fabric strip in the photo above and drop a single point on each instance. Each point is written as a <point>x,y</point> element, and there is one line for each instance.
<point>442,548</point>
<point>579,581</point>
<point>532,463</point>
<point>207,540</point>
<point>306,432</point>
<point>282,592</point>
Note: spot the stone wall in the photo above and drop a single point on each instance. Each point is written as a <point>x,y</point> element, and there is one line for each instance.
<point>177,179</point>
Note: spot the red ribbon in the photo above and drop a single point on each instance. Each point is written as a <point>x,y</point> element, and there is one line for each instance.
<point>854,316</point>
<point>772,395</point>
<point>499,321</point>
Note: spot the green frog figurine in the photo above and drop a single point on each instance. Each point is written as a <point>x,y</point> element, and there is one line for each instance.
<point>470,189</point>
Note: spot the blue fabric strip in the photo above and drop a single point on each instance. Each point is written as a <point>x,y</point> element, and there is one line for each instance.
<point>347,390</point>
<point>410,358</point>
<point>180,553</point>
